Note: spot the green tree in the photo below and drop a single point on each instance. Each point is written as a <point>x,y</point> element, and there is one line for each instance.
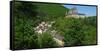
<point>71,28</point>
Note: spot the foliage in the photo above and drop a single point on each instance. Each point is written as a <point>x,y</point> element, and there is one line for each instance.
<point>71,29</point>
<point>76,31</point>
<point>45,40</point>
<point>25,19</point>
<point>91,20</point>
<point>90,35</point>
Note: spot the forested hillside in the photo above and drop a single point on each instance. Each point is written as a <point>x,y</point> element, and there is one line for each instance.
<point>28,16</point>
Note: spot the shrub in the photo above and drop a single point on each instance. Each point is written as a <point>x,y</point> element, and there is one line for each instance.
<point>71,28</point>
<point>46,40</point>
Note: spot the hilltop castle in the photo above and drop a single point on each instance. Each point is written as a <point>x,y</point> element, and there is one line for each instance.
<point>73,12</point>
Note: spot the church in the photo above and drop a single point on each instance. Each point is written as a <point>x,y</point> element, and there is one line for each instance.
<point>73,12</point>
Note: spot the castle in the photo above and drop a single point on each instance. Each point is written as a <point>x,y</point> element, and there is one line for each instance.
<point>73,12</point>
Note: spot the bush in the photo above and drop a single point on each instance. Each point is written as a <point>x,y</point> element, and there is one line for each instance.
<point>71,29</point>
<point>77,31</point>
<point>46,40</point>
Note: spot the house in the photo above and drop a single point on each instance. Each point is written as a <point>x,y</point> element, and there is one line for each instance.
<point>73,12</point>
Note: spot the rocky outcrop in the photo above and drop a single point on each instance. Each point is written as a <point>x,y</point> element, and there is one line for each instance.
<point>45,26</point>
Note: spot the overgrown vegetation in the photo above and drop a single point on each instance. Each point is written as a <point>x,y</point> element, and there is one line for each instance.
<point>28,15</point>
<point>77,31</point>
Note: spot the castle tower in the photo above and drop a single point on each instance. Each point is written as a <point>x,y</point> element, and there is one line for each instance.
<point>73,11</point>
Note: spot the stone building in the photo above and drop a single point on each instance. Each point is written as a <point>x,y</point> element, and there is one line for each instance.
<point>73,12</point>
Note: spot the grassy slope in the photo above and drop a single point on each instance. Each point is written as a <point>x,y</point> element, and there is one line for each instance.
<point>52,9</point>
<point>25,20</point>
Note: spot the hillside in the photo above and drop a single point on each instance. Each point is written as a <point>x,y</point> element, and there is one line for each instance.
<point>51,9</point>
<point>40,25</point>
<point>27,16</point>
<point>40,11</point>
